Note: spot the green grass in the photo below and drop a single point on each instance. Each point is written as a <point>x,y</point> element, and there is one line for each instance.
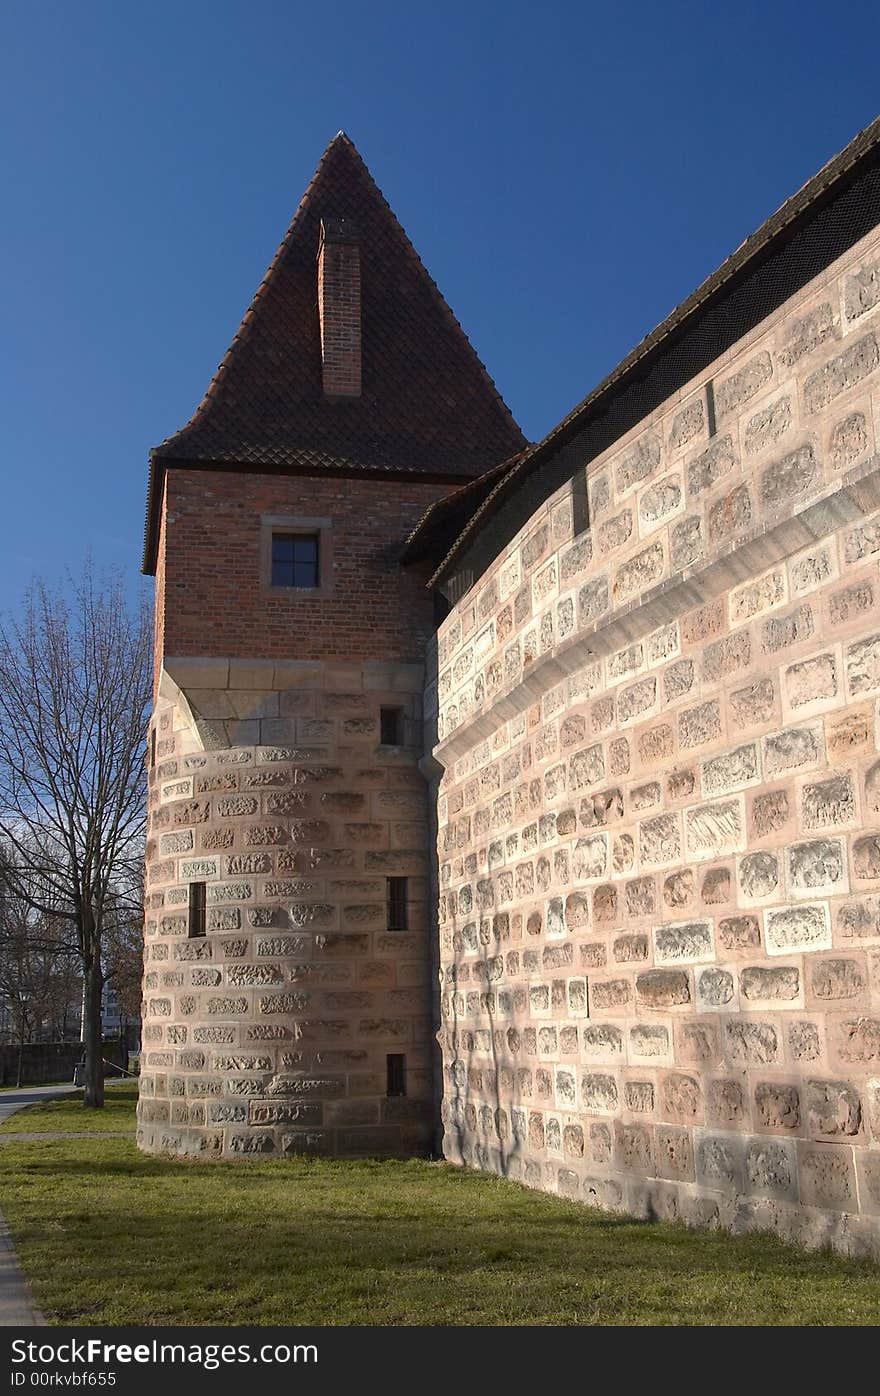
<point>110,1236</point>
<point>68,1114</point>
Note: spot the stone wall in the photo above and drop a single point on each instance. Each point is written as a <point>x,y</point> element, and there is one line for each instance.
<point>270,1033</point>
<point>659,813</point>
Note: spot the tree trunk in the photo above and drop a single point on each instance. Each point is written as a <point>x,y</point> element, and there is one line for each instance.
<point>91,1037</point>
<point>21,1037</point>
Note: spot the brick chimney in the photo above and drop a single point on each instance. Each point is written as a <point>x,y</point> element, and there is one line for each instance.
<point>339,307</point>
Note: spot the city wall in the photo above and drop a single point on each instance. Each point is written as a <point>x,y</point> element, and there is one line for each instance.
<point>656,741</point>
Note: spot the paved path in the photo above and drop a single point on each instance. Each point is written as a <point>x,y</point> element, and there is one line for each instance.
<point>17,1308</point>
<point>14,1136</point>
<point>10,1101</point>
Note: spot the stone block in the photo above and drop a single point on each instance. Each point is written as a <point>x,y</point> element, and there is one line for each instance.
<point>811,681</point>
<point>726,656</point>
<point>640,572</point>
<point>771,1168</point>
<point>828,802</point>
<point>794,748</point>
<point>848,440</point>
<point>861,291</point>
<point>816,866</point>
<point>711,465</point>
<point>650,1041</point>
<point>777,1106</point>
<point>837,375</point>
<point>660,840</point>
<point>768,425</point>
<point>805,333</point>
<point>685,942</point>
<point>739,935</point>
<point>699,725</point>
<point>833,1108</point>
<point>732,392</point>
<point>720,1162</point>
<point>786,481</point>
<point>751,1043</point>
<point>797,928</point>
<point>753,705</point>
<point>593,600</point>
<point>770,984</point>
<point>660,501</point>
<point>827,1177</point>
<point>663,988</point>
<point>614,532</point>
<point>689,422</point>
<point>714,829</point>
<point>732,770</point>
<point>634,1148</point>
<point>686,543</point>
<point>638,462</point>
<point>730,515</point>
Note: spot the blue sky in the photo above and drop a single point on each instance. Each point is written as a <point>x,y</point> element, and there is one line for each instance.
<point>568,173</point>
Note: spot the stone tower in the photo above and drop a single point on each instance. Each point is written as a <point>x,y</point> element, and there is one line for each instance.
<point>287,990</point>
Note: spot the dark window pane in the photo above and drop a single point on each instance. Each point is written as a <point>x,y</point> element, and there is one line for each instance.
<point>305,550</point>
<point>396,1069</point>
<point>295,560</point>
<point>282,548</point>
<point>397,903</point>
<point>390,724</point>
<point>197,909</point>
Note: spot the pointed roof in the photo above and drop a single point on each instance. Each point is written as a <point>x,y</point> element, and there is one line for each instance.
<point>427,407</point>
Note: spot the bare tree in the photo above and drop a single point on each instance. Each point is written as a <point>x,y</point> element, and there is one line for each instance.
<point>124,957</point>
<point>35,971</point>
<point>74,694</point>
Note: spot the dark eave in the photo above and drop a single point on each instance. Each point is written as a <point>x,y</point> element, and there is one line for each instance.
<point>831,181</point>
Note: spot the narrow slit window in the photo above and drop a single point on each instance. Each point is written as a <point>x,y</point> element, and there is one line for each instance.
<point>710,407</point>
<point>152,747</point>
<point>196,909</point>
<point>295,560</point>
<point>396,1073</point>
<point>397,904</point>
<point>391,726</point>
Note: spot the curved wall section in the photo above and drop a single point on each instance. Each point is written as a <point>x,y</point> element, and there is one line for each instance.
<point>659,816</point>
<point>271,1033</point>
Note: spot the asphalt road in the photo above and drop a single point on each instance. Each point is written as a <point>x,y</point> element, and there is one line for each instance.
<point>10,1101</point>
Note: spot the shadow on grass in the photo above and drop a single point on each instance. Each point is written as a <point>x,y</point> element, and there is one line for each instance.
<point>124,1237</point>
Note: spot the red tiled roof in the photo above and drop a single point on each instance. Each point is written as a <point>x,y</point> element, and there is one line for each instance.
<point>443,520</point>
<point>428,406</point>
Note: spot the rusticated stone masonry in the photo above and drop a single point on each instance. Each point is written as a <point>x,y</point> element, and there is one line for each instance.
<point>659,814</point>
<point>270,1033</point>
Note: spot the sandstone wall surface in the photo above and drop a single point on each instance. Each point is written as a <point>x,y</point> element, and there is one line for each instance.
<point>659,812</point>
<point>270,1033</point>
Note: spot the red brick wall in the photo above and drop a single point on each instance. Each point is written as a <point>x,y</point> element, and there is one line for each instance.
<point>209,568</point>
<point>159,607</point>
<point>339,308</point>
